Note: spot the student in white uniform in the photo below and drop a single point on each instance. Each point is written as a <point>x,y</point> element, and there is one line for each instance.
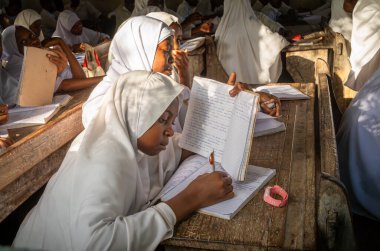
<point>70,74</point>
<point>84,9</point>
<point>246,46</point>
<point>71,31</point>
<point>48,18</point>
<point>31,20</point>
<point>122,12</point>
<point>358,141</point>
<point>365,42</point>
<point>133,48</point>
<point>8,86</point>
<point>104,196</point>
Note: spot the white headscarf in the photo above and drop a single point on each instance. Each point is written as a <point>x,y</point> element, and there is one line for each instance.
<point>26,18</point>
<point>133,48</point>
<point>246,46</point>
<point>8,87</point>
<point>365,43</point>
<point>340,21</point>
<point>65,22</point>
<point>102,195</point>
<point>165,17</point>
<point>11,54</point>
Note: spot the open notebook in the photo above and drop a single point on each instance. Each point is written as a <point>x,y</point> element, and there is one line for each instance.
<point>266,124</point>
<point>193,44</point>
<point>38,115</point>
<point>244,191</point>
<point>283,92</point>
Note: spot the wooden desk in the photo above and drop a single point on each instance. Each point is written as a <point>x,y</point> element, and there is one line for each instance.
<point>29,163</point>
<point>259,226</point>
<point>300,60</point>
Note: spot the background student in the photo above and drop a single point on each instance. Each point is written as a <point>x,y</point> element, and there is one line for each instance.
<point>71,31</point>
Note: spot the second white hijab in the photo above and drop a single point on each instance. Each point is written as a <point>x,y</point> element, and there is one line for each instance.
<point>133,48</point>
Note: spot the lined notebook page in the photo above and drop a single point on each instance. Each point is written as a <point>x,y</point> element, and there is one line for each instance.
<point>240,134</point>
<point>244,191</point>
<point>208,118</point>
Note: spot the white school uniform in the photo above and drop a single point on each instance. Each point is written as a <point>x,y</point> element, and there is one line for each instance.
<point>358,141</point>
<point>132,48</point>
<point>13,58</point>
<point>121,14</point>
<point>246,46</point>
<point>66,21</point>
<point>341,21</point>
<point>365,43</point>
<point>103,195</point>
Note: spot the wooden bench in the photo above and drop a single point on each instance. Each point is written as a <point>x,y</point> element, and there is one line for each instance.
<point>28,164</point>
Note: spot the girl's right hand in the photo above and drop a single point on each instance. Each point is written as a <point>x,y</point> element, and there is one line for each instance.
<point>211,188</point>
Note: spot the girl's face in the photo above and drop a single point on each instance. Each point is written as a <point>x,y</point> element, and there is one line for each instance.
<point>177,35</point>
<point>77,28</point>
<point>163,59</point>
<point>36,27</point>
<point>156,138</point>
<point>25,37</point>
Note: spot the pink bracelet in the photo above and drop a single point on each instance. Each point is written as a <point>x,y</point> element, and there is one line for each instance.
<point>275,190</point>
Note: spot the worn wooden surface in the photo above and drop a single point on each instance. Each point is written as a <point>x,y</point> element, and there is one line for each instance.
<point>214,68</point>
<point>259,226</point>
<point>29,163</point>
<point>300,60</point>
<point>335,229</point>
<point>197,61</point>
<point>341,69</point>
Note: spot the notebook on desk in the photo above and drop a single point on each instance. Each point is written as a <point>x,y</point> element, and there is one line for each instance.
<point>244,191</point>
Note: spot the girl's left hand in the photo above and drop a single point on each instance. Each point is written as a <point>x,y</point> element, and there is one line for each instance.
<point>181,62</point>
<point>60,59</point>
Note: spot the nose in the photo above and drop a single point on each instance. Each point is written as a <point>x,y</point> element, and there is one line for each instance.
<point>169,132</point>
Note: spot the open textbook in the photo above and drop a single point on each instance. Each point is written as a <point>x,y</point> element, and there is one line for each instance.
<point>38,115</point>
<point>37,79</point>
<point>283,92</point>
<point>244,191</point>
<point>217,122</point>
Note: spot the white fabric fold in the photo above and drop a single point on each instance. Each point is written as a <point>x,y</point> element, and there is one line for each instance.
<point>365,43</point>
<point>246,46</point>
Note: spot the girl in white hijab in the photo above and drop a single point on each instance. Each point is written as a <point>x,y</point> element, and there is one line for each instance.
<point>31,20</point>
<point>365,43</point>
<point>11,57</point>
<point>246,46</point>
<point>358,141</point>
<point>132,48</point>
<point>70,29</point>
<point>104,195</point>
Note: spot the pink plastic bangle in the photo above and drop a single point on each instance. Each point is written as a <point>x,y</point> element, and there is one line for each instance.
<point>275,190</point>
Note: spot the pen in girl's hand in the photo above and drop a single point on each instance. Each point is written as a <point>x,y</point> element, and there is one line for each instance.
<point>211,159</point>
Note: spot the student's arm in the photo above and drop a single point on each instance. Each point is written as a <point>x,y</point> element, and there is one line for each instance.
<point>349,5</point>
<point>78,84</point>
<point>76,69</point>
<point>205,190</point>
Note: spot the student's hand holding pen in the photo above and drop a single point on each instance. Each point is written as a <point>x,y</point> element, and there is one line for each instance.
<point>205,190</point>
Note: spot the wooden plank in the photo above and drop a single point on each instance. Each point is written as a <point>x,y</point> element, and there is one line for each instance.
<point>259,226</point>
<point>214,68</point>
<point>26,165</point>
